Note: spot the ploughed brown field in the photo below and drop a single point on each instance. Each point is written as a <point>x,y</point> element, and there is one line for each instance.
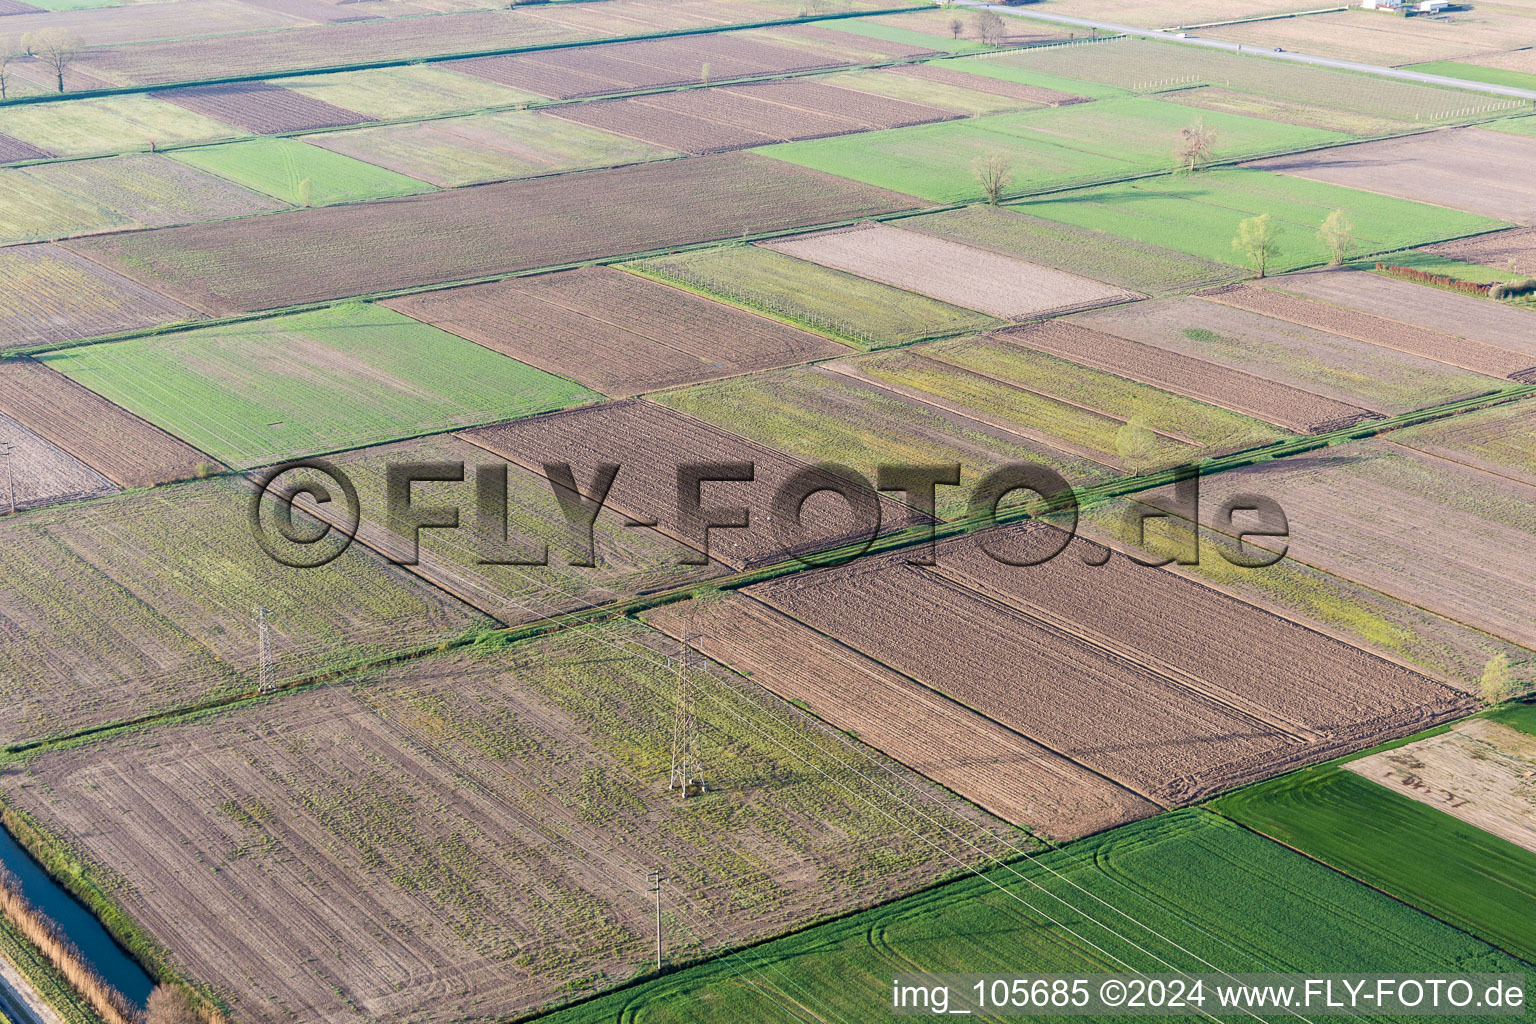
<point>136,23</point>
<point>650,444</point>
<point>1467,353</point>
<point>465,233</point>
<point>12,150</point>
<point>467,836</point>
<point>647,64</point>
<point>38,472</point>
<point>614,331</point>
<point>262,107</point>
<point>715,120</point>
<point>1465,317</point>
<point>1465,168</point>
<point>965,752</point>
<point>951,272</point>
<point>49,295</point>
<point>861,49</point>
<point>982,83</point>
<point>1495,249</point>
<point>1187,375</point>
<point>1444,536</point>
<point>112,441</point>
<point>1116,666</point>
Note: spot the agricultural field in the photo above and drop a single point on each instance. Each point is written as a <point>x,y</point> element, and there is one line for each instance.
<point>111,441</point>
<point>1288,111</point>
<point>949,88</point>
<point>262,108</point>
<point>1475,321</point>
<point>819,415</point>
<point>32,210</point>
<point>141,22</point>
<point>148,190</point>
<point>614,332</point>
<point>940,25</point>
<point>1087,253</point>
<point>1199,214</point>
<point>298,173</point>
<point>12,150</point>
<point>1175,13</point>
<point>1491,73</point>
<point>1515,248</point>
<point>38,472</point>
<point>855,310</point>
<point>416,90</point>
<point>1378,37</point>
<point>957,274</point>
<point>970,755</point>
<point>1465,169</point>
<point>451,152</point>
<point>1180,876</point>
<point>466,233</point>
<point>177,574</point>
<point>1142,64</point>
<point>651,444</point>
<point>259,392</point>
<point>496,812</point>
<point>1341,369</point>
<point>1496,440</point>
<point>1417,852</point>
<point>1048,148</point>
<point>49,295</point>
<point>935,35</point>
<point>102,126</point>
<point>716,120</point>
<point>1378,514</point>
<point>1093,677</point>
<point>837,47</point>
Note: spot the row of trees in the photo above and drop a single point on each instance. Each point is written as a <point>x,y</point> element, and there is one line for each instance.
<point>54,49</point>
<point>1257,242</point>
<point>988,25</point>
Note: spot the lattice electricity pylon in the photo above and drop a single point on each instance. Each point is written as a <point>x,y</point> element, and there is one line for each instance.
<point>8,453</point>
<point>687,773</point>
<point>266,678</point>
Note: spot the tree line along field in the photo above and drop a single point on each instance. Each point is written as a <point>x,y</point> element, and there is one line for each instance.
<point>258,392</point>
<point>855,310</point>
<point>1048,148</point>
<point>51,295</point>
<point>471,831</point>
<point>614,332</point>
<point>626,561</point>
<point>144,602</point>
<point>1066,654</point>
<point>1200,895</point>
<point>458,234</point>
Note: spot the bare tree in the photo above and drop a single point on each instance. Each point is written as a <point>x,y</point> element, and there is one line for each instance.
<point>169,1004</point>
<point>956,26</point>
<point>1338,234</point>
<point>10,52</point>
<point>56,50</point>
<point>989,27</point>
<point>994,173</point>
<point>1195,146</point>
<point>1256,240</point>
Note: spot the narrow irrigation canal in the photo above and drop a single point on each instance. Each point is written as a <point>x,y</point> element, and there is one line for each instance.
<point>98,948</point>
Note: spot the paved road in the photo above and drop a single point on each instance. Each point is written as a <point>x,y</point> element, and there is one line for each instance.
<point>1221,44</point>
<point>15,1007</point>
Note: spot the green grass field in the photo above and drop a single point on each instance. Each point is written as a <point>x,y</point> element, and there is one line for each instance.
<point>343,377</point>
<point>895,34</point>
<point>416,90</point>
<point>1514,125</point>
<point>1198,894</point>
<point>109,124</point>
<point>1516,716</point>
<point>861,312</point>
<point>1476,73</point>
<point>279,168</point>
<point>1453,870</point>
<point>1050,147</point>
<point>1199,214</point>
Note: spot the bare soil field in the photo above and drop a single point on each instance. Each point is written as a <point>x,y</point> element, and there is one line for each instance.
<point>1497,440</point>
<point>151,191</point>
<point>1464,316</point>
<point>472,232</point>
<point>1182,374</point>
<point>112,441</point>
<point>954,273</point>
<point>1496,249</point>
<point>1066,654</point>
<point>134,604</point>
<point>965,752</point>
<point>322,12</point>
<point>982,83</point>
<point>1463,168</point>
<point>473,831</point>
<point>1380,515</point>
<point>40,473</point>
<point>1340,368</point>
<point>138,23</point>
<point>49,294</point>
<point>672,129</point>
<point>1380,37</point>
<point>1175,13</point>
<point>613,331</point>
<point>1479,771</point>
<point>650,444</point>
<point>262,107</point>
<point>12,150</point>
<point>1378,330</point>
<point>845,46</point>
<point>871,112</point>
